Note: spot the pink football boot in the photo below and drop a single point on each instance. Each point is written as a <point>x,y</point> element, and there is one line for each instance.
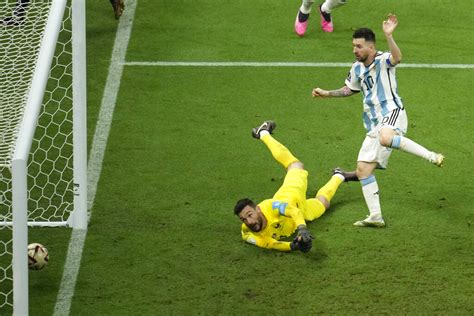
<point>326,21</point>
<point>300,27</point>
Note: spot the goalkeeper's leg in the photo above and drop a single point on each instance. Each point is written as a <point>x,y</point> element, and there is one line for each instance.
<point>279,152</point>
<point>316,207</point>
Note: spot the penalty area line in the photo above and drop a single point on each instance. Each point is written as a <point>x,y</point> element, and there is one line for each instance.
<point>96,157</point>
<point>279,64</point>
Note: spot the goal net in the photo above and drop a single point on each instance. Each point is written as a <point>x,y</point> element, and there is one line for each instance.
<point>42,131</point>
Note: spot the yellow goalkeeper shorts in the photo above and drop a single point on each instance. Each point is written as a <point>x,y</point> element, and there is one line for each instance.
<point>293,190</point>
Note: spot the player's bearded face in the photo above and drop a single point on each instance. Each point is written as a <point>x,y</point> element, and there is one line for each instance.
<point>253,218</point>
<point>361,49</point>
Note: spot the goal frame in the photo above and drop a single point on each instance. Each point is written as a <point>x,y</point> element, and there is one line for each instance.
<point>19,164</point>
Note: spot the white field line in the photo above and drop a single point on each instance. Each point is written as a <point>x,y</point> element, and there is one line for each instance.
<point>280,64</point>
<point>96,157</point>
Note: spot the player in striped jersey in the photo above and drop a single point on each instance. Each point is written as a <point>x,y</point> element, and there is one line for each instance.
<point>384,114</point>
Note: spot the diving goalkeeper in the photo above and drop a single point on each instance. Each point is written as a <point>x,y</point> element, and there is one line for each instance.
<point>264,224</point>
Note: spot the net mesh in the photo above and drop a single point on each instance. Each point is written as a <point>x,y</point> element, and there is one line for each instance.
<point>50,176</point>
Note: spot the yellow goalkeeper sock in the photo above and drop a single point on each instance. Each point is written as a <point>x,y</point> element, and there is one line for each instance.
<point>330,188</point>
<point>279,152</point>
<point>314,209</point>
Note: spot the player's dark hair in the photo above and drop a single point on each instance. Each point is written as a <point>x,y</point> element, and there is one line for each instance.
<point>241,204</point>
<point>364,33</point>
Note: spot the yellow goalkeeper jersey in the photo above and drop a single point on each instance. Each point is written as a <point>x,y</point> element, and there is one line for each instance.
<point>282,221</point>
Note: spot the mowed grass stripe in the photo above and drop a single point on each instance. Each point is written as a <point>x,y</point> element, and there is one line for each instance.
<point>280,64</point>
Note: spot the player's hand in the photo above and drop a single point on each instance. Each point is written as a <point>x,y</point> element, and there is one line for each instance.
<point>304,235</point>
<point>306,246</point>
<point>298,244</point>
<point>318,92</point>
<point>390,24</point>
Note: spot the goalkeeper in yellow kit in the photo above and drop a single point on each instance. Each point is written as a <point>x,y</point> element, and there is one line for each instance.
<point>264,224</point>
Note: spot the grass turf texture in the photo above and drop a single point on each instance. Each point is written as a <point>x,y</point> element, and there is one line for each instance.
<point>163,239</point>
<point>183,245</point>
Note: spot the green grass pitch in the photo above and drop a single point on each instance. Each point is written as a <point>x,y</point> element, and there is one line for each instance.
<point>162,237</point>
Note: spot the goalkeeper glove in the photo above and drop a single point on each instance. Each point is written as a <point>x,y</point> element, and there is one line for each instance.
<point>298,244</point>
<point>303,240</point>
<point>304,234</point>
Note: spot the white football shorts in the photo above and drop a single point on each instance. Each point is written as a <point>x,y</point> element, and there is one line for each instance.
<point>371,150</point>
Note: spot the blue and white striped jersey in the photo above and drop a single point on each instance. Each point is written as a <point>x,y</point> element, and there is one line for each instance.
<point>378,85</point>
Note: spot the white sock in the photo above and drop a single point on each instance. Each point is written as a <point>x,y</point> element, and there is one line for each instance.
<point>407,145</point>
<point>263,133</point>
<point>306,6</point>
<point>370,189</point>
<point>328,5</point>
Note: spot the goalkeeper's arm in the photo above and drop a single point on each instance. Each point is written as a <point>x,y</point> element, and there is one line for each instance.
<point>303,240</point>
<point>296,214</point>
<point>270,243</point>
<point>265,242</point>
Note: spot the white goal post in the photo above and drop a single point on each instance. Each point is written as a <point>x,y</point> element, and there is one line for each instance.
<point>43,136</point>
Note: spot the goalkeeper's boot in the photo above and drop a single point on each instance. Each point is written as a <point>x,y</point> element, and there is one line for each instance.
<point>348,176</point>
<point>326,21</point>
<point>301,23</point>
<point>438,160</point>
<point>371,221</point>
<point>119,7</point>
<point>268,126</point>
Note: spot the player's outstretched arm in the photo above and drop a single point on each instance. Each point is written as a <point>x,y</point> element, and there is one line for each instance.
<point>389,27</point>
<point>342,92</point>
<point>266,242</point>
<point>320,93</point>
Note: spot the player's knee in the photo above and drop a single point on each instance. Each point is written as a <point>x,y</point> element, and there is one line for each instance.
<point>359,171</point>
<point>324,201</point>
<point>385,138</point>
<point>385,141</point>
<point>362,172</point>
<point>296,165</point>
